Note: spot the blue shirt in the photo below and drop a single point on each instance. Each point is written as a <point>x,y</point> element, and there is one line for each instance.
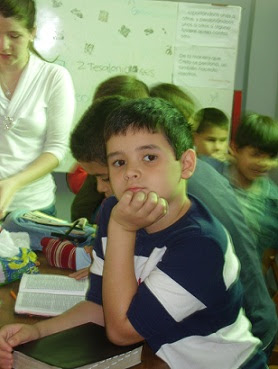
<point>216,193</point>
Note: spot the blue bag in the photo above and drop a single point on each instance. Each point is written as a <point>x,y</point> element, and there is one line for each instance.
<point>39,225</point>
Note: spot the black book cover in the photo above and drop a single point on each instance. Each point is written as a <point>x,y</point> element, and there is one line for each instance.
<point>75,347</point>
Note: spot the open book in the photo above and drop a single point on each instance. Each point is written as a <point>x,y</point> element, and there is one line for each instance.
<point>85,346</point>
<point>42,218</point>
<point>49,294</point>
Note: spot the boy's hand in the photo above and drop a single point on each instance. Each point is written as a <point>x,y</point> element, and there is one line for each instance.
<point>80,274</point>
<point>139,210</point>
<point>12,335</point>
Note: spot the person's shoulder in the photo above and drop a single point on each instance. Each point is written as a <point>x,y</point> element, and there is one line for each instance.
<point>105,211</point>
<point>108,204</point>
<point>200,217</point>
<point>210,173</point>
<point>50,67</point>
<point>218,165</point>
<point>272,188</point>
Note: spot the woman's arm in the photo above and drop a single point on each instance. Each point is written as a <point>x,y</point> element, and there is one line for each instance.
<point>44,164</point>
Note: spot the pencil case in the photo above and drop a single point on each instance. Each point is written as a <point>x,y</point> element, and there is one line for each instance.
<point>39,225</point>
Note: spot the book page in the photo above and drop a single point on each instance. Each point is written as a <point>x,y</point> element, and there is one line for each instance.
<point>122,361</point>
<point>53,283</point>
<point>45,304</point>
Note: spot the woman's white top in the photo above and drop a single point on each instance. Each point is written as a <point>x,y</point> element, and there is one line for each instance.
<point>38,119</point>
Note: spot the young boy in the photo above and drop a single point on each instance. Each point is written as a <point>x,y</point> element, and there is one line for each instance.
<point>211,134</point>
<point>164,269</point>
<point>255,150</point>
<point>165,250</point>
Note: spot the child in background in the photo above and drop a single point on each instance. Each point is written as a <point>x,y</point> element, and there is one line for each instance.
<point>211,133</point>
<point>86,145</point>
<point>172,260</point>
<point>176,96</point>
<point>254,151</point>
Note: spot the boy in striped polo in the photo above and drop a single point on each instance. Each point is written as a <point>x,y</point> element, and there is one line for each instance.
<point>164,268</point>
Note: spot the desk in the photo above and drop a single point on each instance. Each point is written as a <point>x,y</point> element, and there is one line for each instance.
<point>149,360</point>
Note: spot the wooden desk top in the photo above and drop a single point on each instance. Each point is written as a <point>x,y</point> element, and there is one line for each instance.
<point>7,315</point>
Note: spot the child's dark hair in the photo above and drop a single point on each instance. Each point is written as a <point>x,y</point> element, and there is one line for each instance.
<point>122,85</point>
<point>86,141</point>
<point>154,115</point>
<point>259,131</point>
<point>210,117</point>
<point>176,96</point>
<point>23,11</point>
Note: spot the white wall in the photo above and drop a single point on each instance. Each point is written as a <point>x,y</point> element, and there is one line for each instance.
<point>262,86</point>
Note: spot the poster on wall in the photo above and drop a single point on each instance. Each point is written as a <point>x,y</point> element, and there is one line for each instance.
<point>206,52</point>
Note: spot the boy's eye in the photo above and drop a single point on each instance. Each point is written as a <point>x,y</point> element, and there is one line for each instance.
<point>105,179</point>
<point>210,139</point>
<point>14,35</point>
<point>118,163</point>
<point>150,157</point>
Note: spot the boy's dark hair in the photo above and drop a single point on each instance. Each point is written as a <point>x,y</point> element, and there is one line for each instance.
<point>154,115</point>
<point>259,131</point>
<point>210,117</point>
<point>86,141</point>
<point>122,85</point>
<point>176,96</point>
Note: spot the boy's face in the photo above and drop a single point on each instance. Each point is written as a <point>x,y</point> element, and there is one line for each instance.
<point>252,163</point>
<point>212,142</point>
<point>144,161</point>
<point>101,173</point>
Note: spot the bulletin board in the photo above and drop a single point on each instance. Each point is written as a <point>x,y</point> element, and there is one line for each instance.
<point>192,45</point>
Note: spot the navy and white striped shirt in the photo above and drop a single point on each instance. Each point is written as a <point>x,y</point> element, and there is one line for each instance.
<point>188,302</point>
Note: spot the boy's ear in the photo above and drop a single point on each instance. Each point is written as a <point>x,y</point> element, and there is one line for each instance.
<point>188,162</point>
<point>232,148</point>
<point>33,33</point>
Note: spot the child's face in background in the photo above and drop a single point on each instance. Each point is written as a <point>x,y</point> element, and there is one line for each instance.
<point>212,142</point>
<point>252,163</point>
<point>144,161</point>
<point>101,173</point>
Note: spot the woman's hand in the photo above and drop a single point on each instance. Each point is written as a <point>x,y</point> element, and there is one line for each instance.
<point>8,188</point>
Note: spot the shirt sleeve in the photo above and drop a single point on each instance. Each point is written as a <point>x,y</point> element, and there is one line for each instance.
<point>94,292</point>
<point>60,112</point>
